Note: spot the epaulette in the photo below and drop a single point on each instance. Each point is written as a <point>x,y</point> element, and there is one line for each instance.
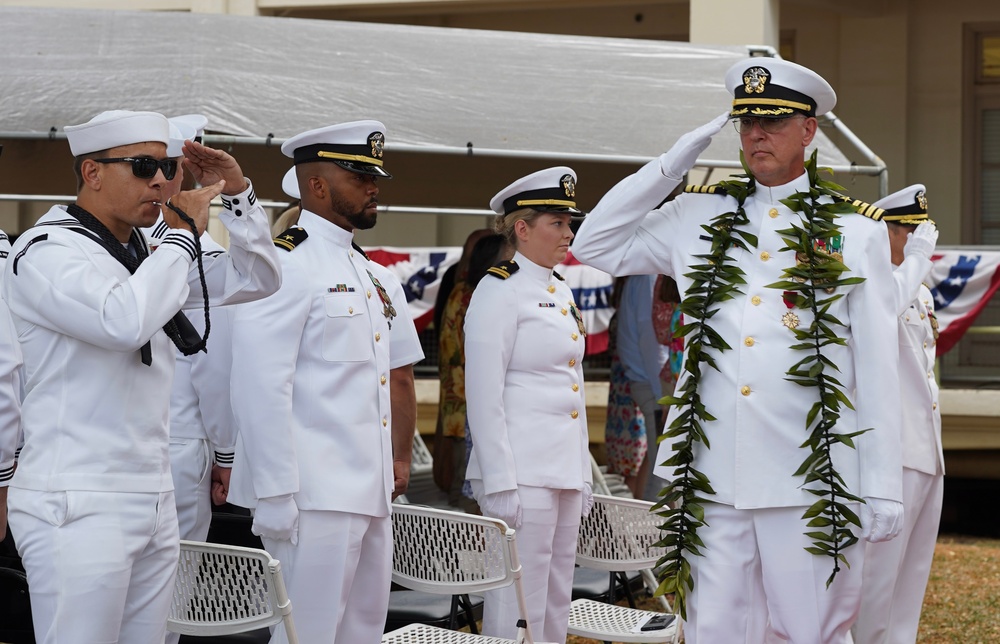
<point>863,208</point>
<point>291,238</point>
<point>355,246</point>
<point>559,277</point>
<point>503,270</point>
<point>714,189</point>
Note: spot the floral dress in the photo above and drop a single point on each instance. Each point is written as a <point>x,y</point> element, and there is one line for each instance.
<point>625,430</point>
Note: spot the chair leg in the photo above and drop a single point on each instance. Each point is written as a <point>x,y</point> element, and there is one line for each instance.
<point>623,578</point>
<point>470,618</point>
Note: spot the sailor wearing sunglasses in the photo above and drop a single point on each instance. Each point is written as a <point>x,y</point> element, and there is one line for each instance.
<point>91,503</point>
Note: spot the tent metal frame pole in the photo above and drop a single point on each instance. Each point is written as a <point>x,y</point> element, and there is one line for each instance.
<point>470,150</point>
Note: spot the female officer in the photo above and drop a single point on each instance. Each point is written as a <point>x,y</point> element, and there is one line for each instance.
<point>524,341</point>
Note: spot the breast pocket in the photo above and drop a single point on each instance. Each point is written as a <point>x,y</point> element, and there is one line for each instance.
<point>347,331</point>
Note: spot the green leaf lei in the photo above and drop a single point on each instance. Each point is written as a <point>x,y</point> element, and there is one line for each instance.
<point>713,282</point>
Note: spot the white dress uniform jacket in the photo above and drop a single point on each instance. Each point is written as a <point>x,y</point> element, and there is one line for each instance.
<point>95,417</point>
<point>10,383</point>
<point>523,343</point>
<point>921,427</point>
<point>760,417</point>
<point>310,384</point>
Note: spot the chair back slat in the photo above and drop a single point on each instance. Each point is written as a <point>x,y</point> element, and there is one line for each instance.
<point>619,535</point>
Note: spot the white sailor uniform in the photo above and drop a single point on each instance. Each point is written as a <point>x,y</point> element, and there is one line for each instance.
<point>91,502</point>
<point>755,565</point>
<point>10,383</point>
<point>896,572</point>
<point>310,391</point>
<point>524,344</point>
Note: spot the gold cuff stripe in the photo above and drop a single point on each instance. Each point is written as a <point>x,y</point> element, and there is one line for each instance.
<point>772,101</point>
<point>323,154</point>
<point>545,202</point>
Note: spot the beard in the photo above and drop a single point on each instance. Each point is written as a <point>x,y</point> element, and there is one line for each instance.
<point>359,219</point>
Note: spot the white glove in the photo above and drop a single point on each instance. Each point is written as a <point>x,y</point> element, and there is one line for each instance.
<point>588,501</point>
<point>505,506</point>
<point>881,519</point>
<point>676,161</point>
<point>921,241</point>
<point>277,517</point>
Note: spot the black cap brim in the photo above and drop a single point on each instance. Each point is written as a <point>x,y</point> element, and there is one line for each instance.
<point>363,168</point>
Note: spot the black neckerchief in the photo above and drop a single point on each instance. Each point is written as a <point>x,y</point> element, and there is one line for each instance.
<point>179,329</point>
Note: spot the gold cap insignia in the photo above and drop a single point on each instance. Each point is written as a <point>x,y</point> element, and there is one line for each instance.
<point>754,80</point>
<point>568,185</point>
<point>922,200</point>
<point>377,141</point>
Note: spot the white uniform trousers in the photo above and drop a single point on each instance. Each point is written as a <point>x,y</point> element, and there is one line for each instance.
<point>190,468</point>
<point>546,546</point>
<point>646,400</point>
<point>755,567</point>
<point>896,571</point>
<point>338,577</point>
<point>100,565</point>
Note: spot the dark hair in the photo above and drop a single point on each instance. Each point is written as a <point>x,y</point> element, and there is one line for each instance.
<point>488,251</point>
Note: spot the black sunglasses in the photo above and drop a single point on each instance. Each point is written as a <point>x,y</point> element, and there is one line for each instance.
<point>146,167</point>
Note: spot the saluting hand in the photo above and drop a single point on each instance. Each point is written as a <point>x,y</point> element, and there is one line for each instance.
<point>209,165</point>
<point>194,203</point>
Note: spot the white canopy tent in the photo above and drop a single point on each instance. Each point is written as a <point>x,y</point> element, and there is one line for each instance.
<point>564,99</point>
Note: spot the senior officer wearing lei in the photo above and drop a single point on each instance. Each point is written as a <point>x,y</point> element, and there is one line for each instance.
<point>524,343</point>
<point>91,502</point>
<point>323,395</point>
<point>896,573</point>
<point>754,564</point>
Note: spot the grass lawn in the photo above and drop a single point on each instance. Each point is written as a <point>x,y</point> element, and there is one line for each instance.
<point>962,603</point>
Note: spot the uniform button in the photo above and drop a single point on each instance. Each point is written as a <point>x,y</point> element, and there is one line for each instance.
<point>351,252</point>
<point>748,341</point>
<point>378,336</point>
<point>755,300</point>
<point>564,311</point>
<point>369,293</point>
<point>385,421</point>
<point>382,380</point>
<point>350,310</point>
<point>745,390</point>
<point>772,213</point>
<point>934,406</point>
<point>574,336</point>
<point>552,289</point>
<point>574,414</point>
<point>907,318</point>
<point>764,256</point>
<point>930,374</point>
<point>572,362</point>
<point>925,345</point>
<point>576,387</point>
<point>923,315</point>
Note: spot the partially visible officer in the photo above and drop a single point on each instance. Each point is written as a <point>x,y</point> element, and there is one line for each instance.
<point>10,394</point>
<point>91,502</point>
<point>322,390</point>
<point>755,564</point>
<point>896,573</point>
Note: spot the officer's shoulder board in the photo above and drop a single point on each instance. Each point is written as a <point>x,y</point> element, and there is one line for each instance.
<point>355,246</point>
<point>558,276</point>
<point>503,270</point>
<point>291,238</point>
<point>714,189</point>
<point>862,207</point>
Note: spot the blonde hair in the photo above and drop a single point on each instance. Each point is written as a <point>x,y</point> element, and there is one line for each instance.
<point>288,218</point>
<point>504,224</point>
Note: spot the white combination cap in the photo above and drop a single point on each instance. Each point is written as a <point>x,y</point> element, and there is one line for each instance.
<point>290,184</point>
<point>550,190</point>
<point>776,88</point>
<point>356,146</point>
<point>196,122</point>
<point>116,128</point>
<point>906,206</point>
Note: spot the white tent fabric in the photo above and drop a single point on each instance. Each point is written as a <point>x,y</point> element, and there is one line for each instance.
<point>261,76</point>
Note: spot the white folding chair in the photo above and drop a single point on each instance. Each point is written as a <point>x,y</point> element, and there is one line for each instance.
<point>222,590</point>
<point>440,551</point>
<point>618,536</point>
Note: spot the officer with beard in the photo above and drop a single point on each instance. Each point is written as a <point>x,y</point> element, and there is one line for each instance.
<point>322,391</point>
